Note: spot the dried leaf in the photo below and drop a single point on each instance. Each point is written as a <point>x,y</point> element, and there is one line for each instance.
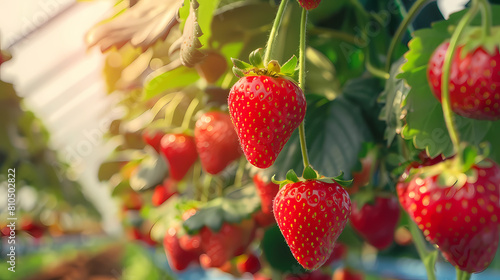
<point>141,25</point>
<point>188,44</point>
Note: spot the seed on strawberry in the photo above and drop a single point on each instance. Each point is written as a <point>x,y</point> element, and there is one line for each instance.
<point>311,215</point>
<point>309,4</point>
<point>474,81</point>
<point>376,222</point>
<point>461,218</point>
<point>216,141</point>
<point>265,111</point>
<point>180,153</point>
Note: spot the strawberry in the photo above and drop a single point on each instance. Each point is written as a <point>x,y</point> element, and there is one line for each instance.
<point>249,264</point>
<point>311,215</point>
<point>474,81</point>
<point>309,4</point>
<point>229,241</point>
<point>265,106</point>
<point>216,141</point>
<point>180,153</point>
<point>376,222</point>
<point>164,191</point>
<point>267,192</point>
<point>178,258</point>
<point>457,211</point>
<point>132,201</point>
<point>153,139</point>
<point>344,273</point>
<point>33,228</point>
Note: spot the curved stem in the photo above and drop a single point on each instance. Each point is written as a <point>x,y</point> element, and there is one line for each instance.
<point>486,16</point>
<point>189,113</point>
<point>401,31</point>
<point>373,70</point>
<point>462,275</point>
<point>336,34</point>
<point>170,109</point>
<point>274,30</point>
<point>428,258</point>
<point>239,172</point>
<point>302,82</point>
<point>445,93</point>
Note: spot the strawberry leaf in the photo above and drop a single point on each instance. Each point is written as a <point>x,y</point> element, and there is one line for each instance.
<point>242,65</point>
<point>291,176</point>
<point>168,78</point>
<point>151,172</point>
<point>425,124</point>
<point>289,67</point>
<point>395,92</point>
<point>309,173</point>
<point>232,208</point>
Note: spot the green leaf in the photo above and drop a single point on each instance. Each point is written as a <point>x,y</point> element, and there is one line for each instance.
<point>151,172</point>
<point>395,92</point>
<point>335,132</point>
<point>291,176</point>
<point>289,67</point>
<point>425,124</point>
<point>205,17</point>
<point>309,173</point>
<point>241,64</point>
<point>233,208</point>
<point>165,80</point>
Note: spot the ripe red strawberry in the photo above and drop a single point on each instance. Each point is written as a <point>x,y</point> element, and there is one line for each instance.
<point>153,139</point>
<point>265,111</point>
<point>180,153</point>
<point>474,81</point>
<point>376,222</point>
<point>216,141</point>
<point>344,273</point>
<point>311,215</point>
<point>309,4</point>
<point>33,228</point>
<point>462,218</point>
<point>249,264</point>
<point>267,192</point>
<point>164,191</point>
<point>219,247</point>
<point>178,258</point>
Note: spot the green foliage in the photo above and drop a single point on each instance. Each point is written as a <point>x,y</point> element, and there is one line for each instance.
<point>232,208</point>
<point>424,120</point>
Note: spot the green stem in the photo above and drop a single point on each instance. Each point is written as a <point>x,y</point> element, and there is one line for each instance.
<point>445,93</point>
<point>239,172</point>
<point>198,187</point>
<point>170,109</point>
<point>302,82</point>
<point>189,113</point>
<point>372,69</point>
<point>426,256</point>
<point>486,16</point>
<point>401,31</point>
<point>274,30</point>
<point>462,275</point>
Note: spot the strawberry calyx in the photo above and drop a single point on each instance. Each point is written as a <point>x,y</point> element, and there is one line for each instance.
<point>455,171</point>
<point>256,67</point>
<point>475,37</point>
<point>308,175</point>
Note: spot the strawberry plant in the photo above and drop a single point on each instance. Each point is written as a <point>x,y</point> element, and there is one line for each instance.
<point>388,114</point>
